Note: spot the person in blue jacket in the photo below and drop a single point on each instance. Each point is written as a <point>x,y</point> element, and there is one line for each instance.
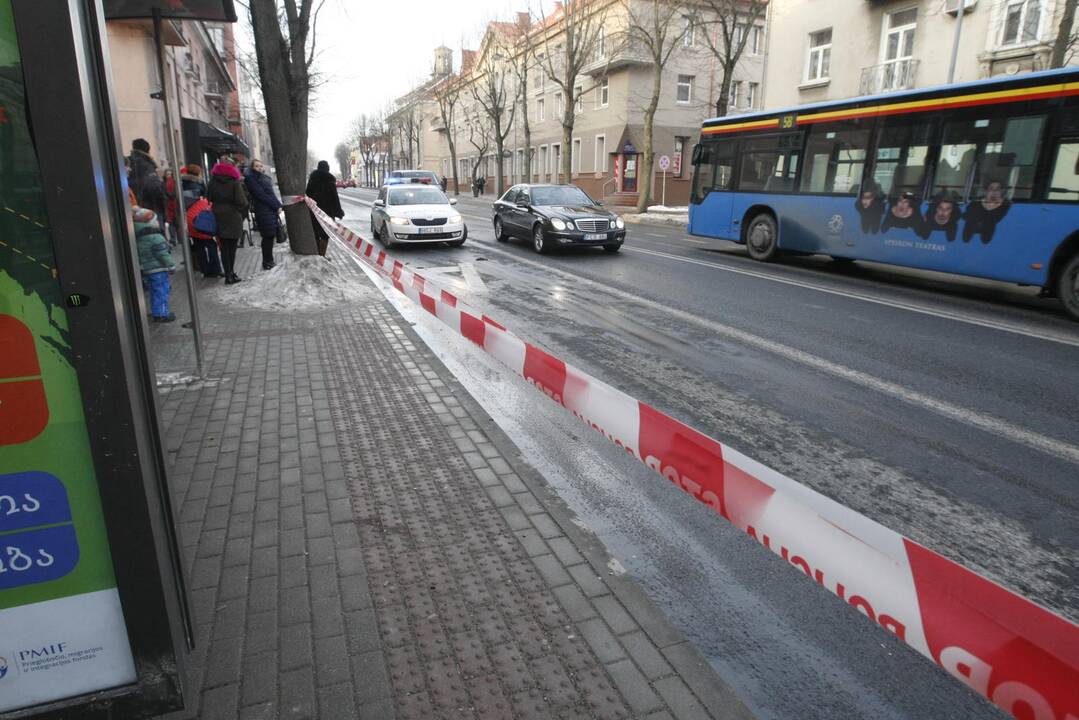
<point>156,263</point>
<point>266,206</point>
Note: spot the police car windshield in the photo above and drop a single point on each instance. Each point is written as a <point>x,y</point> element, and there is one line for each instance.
<point>417,196</point>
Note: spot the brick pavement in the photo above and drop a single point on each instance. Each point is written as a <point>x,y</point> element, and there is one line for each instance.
<point>362,541</point>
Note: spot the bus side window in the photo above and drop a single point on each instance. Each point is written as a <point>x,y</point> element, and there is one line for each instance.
<point>703,170</point>
<point>978,151</point>
<point>1064,181</point>
<point>770,164</point>
<point>835,158</point>
<point>902,151</point>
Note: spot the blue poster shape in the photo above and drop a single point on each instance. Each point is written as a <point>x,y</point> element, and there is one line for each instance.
<point>32,499</point>
<point>37,556</point>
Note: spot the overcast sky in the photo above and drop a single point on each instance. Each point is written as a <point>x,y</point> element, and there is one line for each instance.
<point>371,51</point>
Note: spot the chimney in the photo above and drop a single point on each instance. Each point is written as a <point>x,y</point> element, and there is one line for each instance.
<point>468,57</point>
<point>524,20</point>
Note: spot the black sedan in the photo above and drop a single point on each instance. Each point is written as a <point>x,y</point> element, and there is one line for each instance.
<point>556,215</point>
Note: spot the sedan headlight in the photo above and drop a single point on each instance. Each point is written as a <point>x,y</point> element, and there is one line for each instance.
<point>558,224</point>
<point>453,219</point>
<point>400,221</point>
<point>619,223</point>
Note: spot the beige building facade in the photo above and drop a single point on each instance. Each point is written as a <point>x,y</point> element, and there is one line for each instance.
<point>834,49</point>
<point>615,87</point>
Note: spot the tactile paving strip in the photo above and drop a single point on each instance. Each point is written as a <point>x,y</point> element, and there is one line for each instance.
<point>467,624</point>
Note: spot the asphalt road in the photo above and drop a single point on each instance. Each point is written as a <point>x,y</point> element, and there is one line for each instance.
<point>944,408</point>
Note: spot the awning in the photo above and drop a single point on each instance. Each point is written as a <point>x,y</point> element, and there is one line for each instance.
<point>210,10</point>
<point>212,138</point>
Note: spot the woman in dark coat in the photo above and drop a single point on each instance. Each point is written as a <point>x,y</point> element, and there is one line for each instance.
<point>230,207</point>
<point>266,206</point>
<point>322,188</point>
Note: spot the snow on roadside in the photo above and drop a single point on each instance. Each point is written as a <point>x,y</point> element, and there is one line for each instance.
<point>297,283</point>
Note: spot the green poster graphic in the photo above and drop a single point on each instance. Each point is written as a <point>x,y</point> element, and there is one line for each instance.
<point>61,627</point>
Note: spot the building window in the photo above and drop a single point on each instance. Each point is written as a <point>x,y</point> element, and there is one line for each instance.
<point>754,44</point>
<point>575,159</point>
<point>685,88</point>
<point>751,94</point>
<point>735,93</point>
<point>559,107</point>
<point>541,113</point>
<point>898,46</point>
<point>601,43</point>
<point>1022,21</point>
<point>603,93</point>
<point>679,152</point>
<point>578,100</point>
<point>687,31</point>
<point>541,77</point>
<point>601,153</point>
<point>818,64</point>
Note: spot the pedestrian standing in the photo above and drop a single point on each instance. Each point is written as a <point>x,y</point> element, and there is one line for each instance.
<point>226,193</point>
<point>155,262</point>
<point>144,179</point>
<point>322,188</point>
<point>443,183</point>
<point>266,206</point>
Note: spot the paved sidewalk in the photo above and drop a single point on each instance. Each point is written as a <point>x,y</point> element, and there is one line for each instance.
<point>363,542</point>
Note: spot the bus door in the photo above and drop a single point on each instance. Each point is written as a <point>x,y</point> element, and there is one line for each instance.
<point>712,202</point>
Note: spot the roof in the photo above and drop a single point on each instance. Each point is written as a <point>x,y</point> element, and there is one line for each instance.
<point>1061,75</point>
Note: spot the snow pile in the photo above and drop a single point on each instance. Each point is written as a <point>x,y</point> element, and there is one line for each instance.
<point>298,282</point>
<point>661,215</point>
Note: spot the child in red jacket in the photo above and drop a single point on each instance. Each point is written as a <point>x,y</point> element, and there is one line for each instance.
<point>205,253</point>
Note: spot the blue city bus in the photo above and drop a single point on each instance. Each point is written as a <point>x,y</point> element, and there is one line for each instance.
<point>978,179</point>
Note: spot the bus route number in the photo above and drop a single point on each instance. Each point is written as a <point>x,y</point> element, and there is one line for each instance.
<point>786,122</point>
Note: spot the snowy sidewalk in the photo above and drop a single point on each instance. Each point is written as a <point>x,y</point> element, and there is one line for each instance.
<point>362,541</point>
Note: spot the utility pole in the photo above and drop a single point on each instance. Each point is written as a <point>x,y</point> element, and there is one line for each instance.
<point>955,42</point>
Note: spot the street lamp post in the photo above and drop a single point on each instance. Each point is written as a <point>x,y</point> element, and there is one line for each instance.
<point>955,41</point>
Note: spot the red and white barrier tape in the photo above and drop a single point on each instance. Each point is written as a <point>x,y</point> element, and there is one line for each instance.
<point>1021,656</point>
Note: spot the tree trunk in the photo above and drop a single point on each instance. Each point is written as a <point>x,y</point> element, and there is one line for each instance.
<point>644,194</point>
<point>453,162</point>
<point>527,152</point>
<point>1063,40</point>
<point>500,170</point>
<point>567,144</point>
<point>724,99</point>
<point>285,91</point>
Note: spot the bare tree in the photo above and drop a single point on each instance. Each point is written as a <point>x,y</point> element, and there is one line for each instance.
<point>285,34</point>
<point>405,125</point>
<point>515,49</point>
<point>1064,42</point>
<point>493,97</point>
<point>447,97</point>
<point>477,137</point>
<point>563,46</point>
<point>343,154</point>
<point>658,27</point>
<point>726,26</point>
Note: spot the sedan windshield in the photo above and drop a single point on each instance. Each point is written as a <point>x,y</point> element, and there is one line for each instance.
<point>559,196</point>
<point>417,196</point>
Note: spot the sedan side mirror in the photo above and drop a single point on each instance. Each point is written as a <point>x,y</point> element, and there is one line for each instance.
<point>453,201</point>
<point>380,203</point>
<point>600,202</point>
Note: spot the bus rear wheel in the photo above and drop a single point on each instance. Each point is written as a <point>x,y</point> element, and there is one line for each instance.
<point>762,237</point>
<point>1068,286</point>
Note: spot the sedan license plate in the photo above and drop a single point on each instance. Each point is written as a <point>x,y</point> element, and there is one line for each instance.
<point>429,230</point>
<point>595,236</point>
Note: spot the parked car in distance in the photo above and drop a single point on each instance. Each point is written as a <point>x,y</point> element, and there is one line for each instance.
<point>350,183</point>
<point>404,177</point>
<point>416,214</point>
<point>556,215</point>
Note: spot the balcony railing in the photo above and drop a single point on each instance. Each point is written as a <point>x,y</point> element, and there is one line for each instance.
<point>888,77</point>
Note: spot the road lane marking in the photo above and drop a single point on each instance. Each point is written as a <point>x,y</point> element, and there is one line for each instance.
<point>898,304</point>
<point>966,416</point>
<point>469,277</point>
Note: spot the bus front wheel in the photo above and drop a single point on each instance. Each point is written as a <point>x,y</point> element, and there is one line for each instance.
<point>762,237</point>
<point>1068,286</point>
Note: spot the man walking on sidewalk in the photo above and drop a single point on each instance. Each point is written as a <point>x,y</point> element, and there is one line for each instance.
<point>322,188</point>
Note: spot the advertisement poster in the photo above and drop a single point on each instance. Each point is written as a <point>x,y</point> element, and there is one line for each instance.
<point>62,629</point>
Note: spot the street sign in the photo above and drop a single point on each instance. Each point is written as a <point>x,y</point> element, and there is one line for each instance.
<point>664,163</point>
